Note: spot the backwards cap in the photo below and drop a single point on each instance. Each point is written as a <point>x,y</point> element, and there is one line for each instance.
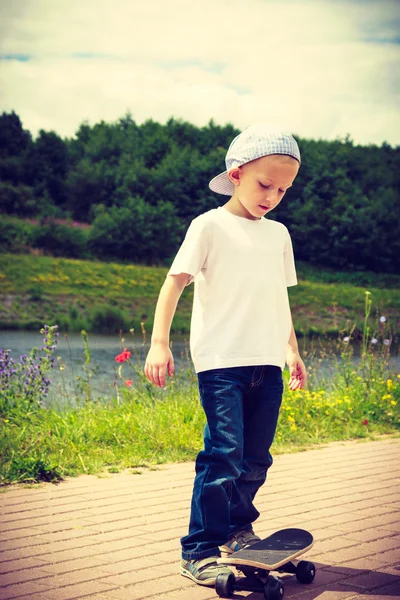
<point>260,139</point>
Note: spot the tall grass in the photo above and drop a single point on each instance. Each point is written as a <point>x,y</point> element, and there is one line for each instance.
<point>136,424</point>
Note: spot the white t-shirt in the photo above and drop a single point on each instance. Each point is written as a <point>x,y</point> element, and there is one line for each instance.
<point>241,270</point>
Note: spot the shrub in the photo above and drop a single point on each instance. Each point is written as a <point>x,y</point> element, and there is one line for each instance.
<point>62,240</point>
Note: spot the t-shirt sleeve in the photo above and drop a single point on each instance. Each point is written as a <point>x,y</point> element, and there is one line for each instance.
<point>192,255</point>
<point>290,269</point>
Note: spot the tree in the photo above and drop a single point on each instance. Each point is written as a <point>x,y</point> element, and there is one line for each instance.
<point>15,143</point>
<point>343,210</point>
<point>14,140</point>
<point>136,231</point>
<point>48,167</point>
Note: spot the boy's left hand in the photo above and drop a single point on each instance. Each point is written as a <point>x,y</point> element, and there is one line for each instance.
<point>298,373</point>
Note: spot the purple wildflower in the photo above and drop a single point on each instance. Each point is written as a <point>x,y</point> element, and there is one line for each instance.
<point>27,378</point>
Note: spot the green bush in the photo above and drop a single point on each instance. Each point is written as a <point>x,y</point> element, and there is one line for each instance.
<point>108,318</point>
<point>18,236</point>
<point>15,235</point>
<point>136,231</point>
<point>17,199</point>
<point>32,468</point>
<point>62,240</point>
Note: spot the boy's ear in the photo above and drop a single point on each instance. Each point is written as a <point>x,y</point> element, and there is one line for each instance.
<point>234,175</point>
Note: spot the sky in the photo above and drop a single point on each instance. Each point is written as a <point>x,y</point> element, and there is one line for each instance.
<point>320,68</point>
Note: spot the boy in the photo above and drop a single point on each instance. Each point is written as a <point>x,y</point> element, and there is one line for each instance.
<point>241,335</point>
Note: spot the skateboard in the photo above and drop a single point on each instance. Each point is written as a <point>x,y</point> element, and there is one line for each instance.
<point>274,553</point>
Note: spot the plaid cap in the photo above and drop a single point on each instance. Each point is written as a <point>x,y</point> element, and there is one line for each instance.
<point>260,139</point>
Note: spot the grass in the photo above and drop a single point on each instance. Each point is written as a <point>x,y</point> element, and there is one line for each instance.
<point>150,427</point>
<point>140,425</point>
<point>80,294</point>
<point>107,297</point>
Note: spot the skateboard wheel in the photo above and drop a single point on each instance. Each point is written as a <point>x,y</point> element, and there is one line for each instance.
<point>305,572</point>
<point>225,584</point>
<point>273,589</point>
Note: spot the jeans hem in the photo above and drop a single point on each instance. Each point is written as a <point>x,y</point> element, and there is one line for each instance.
<point>200,555</point>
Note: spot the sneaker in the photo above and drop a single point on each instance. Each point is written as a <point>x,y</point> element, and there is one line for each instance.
<point>204,571</point>
<point>239,540</point>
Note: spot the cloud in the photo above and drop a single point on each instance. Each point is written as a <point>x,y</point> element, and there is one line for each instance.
<point>325,69</point>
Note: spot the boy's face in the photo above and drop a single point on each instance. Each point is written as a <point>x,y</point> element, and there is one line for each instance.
<point>261,184</point>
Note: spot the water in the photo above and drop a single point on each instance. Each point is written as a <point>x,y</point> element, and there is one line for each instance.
<point>104,348</point>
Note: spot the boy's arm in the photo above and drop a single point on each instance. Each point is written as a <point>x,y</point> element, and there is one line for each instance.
<point>298,374</point>
<point>159,358</point>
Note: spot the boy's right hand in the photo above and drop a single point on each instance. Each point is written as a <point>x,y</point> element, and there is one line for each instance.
<point>159,361</point>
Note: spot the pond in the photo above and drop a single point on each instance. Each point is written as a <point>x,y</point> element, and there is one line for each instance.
<point>103,350</point>
<point>321,355</point>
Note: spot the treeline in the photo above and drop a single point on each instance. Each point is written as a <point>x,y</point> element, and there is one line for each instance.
<point>137,187</point>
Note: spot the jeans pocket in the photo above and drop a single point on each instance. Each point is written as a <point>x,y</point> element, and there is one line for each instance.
<point>258,376</point>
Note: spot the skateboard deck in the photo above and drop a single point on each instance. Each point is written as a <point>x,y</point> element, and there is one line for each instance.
<point>273,552</point>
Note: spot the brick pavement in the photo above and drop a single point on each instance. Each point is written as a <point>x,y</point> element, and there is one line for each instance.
<point>117,538</point>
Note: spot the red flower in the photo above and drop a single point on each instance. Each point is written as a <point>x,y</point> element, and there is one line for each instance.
<point>365,422</point>
<point>128,382</point>
<point>123,356</point>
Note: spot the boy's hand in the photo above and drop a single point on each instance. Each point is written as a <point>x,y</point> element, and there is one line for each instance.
<point>298,373</point>
<point>159,361</point>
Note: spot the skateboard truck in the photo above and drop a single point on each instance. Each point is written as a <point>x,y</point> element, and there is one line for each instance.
<point>275,553</point>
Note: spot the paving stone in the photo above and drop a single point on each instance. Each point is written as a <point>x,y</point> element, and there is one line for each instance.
<point>20,564</point>
<point>373,579</point>
<point>334,592</point>
<point>67,566</point>
<point>391,592</point>
<point>69,592</point>
<point>100,538</point>
<point>13,577</point>
<point>27,589</point>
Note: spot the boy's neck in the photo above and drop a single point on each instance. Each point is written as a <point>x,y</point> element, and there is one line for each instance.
<point>235,207</point>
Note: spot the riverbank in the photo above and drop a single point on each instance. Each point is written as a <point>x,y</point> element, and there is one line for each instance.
<point>143,426</point>
<point>107,297</point>
<point>135,424</point>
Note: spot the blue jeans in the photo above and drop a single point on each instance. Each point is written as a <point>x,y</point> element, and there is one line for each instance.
<point>242,407</point>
